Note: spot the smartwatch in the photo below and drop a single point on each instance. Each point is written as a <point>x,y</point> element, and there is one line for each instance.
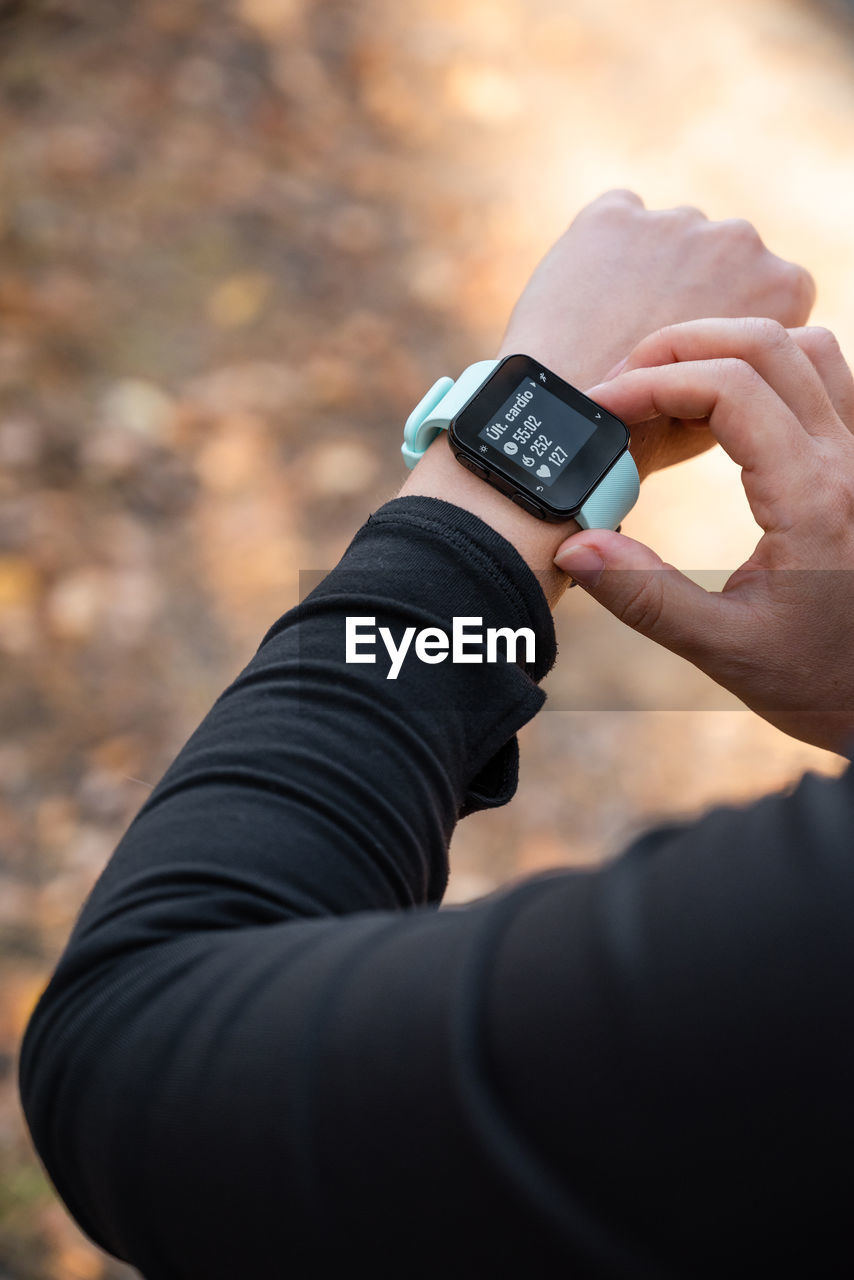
<point>537,439</point>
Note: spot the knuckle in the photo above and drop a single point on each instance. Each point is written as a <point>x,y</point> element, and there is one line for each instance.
<point>740,229</point>
<point>738,374</point>
<point>820,342</point>
<point>793,286</point>
<point>617,203</point>
<point>687,212</point>
<point>643,604</point>
<point>802,283</point>
<point>621,195</point>
<point>767,333</point>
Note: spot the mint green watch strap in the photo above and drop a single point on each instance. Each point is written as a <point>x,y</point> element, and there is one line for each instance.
<point>612,499</point>
<point>614,496</point>
<point>442,402</point>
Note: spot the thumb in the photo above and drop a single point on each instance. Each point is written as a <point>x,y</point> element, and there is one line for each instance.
<point>649,596</point>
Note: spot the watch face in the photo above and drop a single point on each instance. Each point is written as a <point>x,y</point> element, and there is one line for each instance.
<point>535,435</point>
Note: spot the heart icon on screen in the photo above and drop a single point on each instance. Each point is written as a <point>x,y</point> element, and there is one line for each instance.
<point>544,471</point>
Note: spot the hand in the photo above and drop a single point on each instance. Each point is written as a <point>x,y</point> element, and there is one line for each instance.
<point>779,633</point>
<point>621,271</point>
<point>617,273</point>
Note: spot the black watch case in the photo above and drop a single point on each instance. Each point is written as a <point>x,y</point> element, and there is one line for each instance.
<point>537,439</point>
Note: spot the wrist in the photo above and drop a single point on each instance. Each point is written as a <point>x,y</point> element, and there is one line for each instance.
<point>573,359</point>
<point>439,475</point>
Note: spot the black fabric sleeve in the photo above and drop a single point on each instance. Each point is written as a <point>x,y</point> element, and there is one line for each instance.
<point>264,1052</point>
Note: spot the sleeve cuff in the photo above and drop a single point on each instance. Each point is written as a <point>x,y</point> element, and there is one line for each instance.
<point>500,557</point>
<point>496,781</point>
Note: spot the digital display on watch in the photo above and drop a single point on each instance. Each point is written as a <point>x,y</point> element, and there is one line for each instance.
<point>537,438</point>
<point>537,431</point>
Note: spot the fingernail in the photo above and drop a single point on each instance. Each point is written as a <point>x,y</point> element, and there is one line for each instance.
<point>582,563</point>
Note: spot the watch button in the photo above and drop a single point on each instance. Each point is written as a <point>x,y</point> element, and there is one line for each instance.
<point>527,505</point>
<point>473,466</point>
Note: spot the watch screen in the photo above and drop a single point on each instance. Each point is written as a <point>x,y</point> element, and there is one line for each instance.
<point>531,433</point>
<point>537,431</point>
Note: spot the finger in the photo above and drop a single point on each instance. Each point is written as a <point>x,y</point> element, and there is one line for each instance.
<point>822,349</point>
<point>779,460</point>
<point>651,597</point>
<point>765,345</point>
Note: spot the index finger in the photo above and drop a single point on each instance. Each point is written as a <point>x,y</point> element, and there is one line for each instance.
<point>766,346</point>
<point>752,423</point>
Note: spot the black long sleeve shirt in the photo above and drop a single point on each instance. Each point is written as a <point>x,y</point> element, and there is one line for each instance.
<point>265,1053</point>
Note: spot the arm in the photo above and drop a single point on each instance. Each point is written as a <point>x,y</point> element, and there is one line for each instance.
<point>172,1071</point>
<point>263,1047</point>
<point>262,1050</point>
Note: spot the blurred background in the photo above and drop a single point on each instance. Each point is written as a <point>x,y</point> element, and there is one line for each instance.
<point>238,240</point>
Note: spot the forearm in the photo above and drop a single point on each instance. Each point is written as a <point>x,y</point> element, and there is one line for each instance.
<point>313,789</point>
<point>308,750</point>
<point>551,1064</point>
<point>241,1065</point>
